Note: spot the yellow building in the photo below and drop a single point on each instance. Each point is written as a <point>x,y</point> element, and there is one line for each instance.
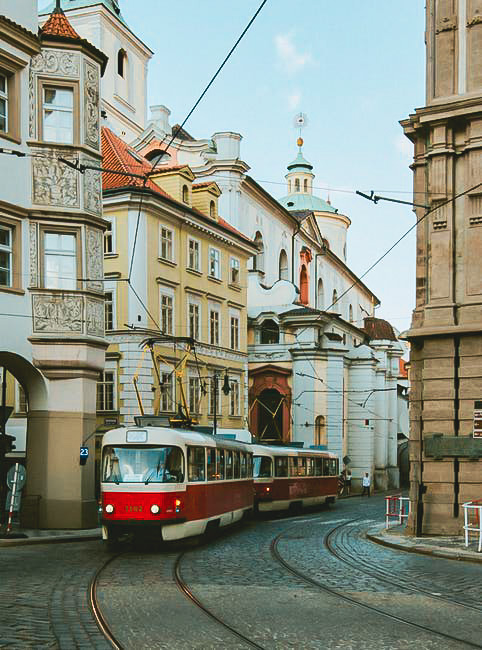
<point>173,266</point>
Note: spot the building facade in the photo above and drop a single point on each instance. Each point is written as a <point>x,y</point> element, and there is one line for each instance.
<point>51,278</point>
<point>445,334</point>
<point>188,271</point>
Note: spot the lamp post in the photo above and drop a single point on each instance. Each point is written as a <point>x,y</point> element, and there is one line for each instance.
<point>226,391</point>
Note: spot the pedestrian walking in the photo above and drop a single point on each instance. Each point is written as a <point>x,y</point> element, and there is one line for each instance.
<point>366,484</point>
<point>348,482</point>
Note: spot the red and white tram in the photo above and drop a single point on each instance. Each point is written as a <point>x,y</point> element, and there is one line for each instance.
<point>286,476</point>
<point>174,482</point>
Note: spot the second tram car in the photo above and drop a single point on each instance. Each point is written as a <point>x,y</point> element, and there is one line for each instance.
<point>172,482</point>
<point>286,476</point>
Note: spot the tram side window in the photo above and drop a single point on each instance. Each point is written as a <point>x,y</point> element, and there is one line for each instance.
<point>293,463</point>
<point>244,467</point>
<point>326,467</point>
<point>212,474</point>
<point>220,460</point>
<point>263,467</point>
<point>281,466</point>
<point>310,467</point>
<point>333,466</point>
<point>318,466</point>
<point>195,464</point>
<point>302,468</point>
<point>250,465</point>
<point>229,464</point>
<point>236,464</point>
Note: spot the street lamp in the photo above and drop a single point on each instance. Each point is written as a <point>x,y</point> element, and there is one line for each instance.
<point>226,391</point>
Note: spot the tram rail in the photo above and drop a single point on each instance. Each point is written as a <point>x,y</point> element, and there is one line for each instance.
<point>99,618</point>
<point>385,576</point>
<point>276,554</point>
<point>184,588</point>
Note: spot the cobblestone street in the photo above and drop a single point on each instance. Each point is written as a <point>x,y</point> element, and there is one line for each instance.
<point>312,581</point>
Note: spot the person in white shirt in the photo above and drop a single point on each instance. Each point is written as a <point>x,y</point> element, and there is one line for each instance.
<point>366,484</point>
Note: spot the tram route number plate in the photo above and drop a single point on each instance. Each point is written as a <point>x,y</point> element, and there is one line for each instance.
<point>478,419</point>
<point>133,508</point>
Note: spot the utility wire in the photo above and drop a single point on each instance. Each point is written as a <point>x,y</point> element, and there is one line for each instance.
<point>213,78</point>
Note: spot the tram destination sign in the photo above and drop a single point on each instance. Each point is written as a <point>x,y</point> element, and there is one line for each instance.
<point>478,419</point>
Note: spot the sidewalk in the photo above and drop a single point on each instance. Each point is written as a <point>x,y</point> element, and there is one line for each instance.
<point>47,536</point>
<point>452,547</point>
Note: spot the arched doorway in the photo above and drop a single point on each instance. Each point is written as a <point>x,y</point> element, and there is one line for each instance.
<point>270,416</point>
<point>270,403</point>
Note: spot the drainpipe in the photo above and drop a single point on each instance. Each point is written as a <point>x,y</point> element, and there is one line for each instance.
<point>298,228</point>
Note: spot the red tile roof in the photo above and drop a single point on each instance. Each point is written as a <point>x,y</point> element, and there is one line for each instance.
<point>118,156</point>
<point>205,184</point>
<point>379,329</point>
<point>162,169</point>
<point>58,25</point>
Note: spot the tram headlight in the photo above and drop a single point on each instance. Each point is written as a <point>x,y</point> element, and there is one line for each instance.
<point>109,508</point>
<point>155,509</point>
<point>178,505</point>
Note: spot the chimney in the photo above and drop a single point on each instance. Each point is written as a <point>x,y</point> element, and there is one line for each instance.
<point>160,117</point>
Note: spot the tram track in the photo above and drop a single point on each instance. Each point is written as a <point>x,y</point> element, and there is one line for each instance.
<point>95,609</point>
<point>276,554</point>
<point>384,576</point>
<point>187,592</point>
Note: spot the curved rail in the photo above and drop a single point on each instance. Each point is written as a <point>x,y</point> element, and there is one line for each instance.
<point>95,609</point>
<point>386,577</point>
<point>334,592</point>
<point>183,587</point>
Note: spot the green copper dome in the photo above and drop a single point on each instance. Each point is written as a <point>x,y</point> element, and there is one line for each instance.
<point>111,5</point>
<point>303,201</point>
<point>300,163</point>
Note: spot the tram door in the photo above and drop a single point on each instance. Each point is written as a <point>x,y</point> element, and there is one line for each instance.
<point>270,416</point>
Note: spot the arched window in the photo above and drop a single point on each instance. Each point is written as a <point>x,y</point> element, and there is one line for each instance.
<point>212,210</point>
<point>304,288</point>
<point>157,157</point>
<point>350,313</point>
<point>320,297</point>
<point>185,194</point>
<point>269,332</point>
<point>258,263</point>
<point>305,185</point>
<point>334,299</point>
<point>320,430</point>
<point>121,63</point>
<point>297,184</point>
<point>283,265</point>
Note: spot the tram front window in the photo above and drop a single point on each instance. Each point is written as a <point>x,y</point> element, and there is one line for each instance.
<point>142,465</point>
<point>262,467</point>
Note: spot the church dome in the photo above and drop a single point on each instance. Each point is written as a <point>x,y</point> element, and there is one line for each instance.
<point>299,163</point>
<point>302,201</point>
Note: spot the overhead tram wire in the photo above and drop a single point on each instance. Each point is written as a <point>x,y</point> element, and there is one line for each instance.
<point>174,135</point>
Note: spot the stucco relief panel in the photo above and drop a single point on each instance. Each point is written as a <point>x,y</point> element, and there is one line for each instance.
<point>95,317</point>
<point>57,314</point>
<point>57,62</point>
<point>91,105</point>
<point>92,187</point>
<point>53,183</point>
<point>95,259</point>
<point>33,255</point>
<point>32,103</point>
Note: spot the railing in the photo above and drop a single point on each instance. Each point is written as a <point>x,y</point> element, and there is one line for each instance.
<point>396,508</point>
<point>473,521</point>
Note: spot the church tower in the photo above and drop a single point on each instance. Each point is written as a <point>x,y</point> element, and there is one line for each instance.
<point>446,330</point>
<point>124,85</point>
<point>300,198</point>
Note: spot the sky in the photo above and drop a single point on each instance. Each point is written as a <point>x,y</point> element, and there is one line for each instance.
<point>354,68</point>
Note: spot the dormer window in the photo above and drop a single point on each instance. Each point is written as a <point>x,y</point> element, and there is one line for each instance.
<point>185,194</point>
<point>121,63</point>
<point>212,210</point>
